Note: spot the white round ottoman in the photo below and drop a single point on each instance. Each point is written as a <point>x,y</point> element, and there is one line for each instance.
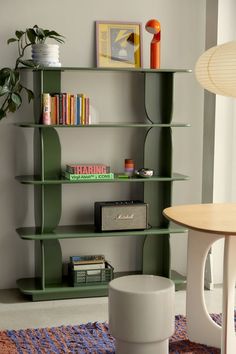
<point>141,314</point>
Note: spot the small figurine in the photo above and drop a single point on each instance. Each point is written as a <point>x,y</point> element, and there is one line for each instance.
<point>144,172</point>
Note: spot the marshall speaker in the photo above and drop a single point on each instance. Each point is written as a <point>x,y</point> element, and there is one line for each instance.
<point>121,215</point>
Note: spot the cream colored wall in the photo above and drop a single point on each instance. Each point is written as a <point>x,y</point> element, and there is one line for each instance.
<point>183,25</point>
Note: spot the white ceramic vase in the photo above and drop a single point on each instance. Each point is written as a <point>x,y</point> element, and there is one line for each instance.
<point>46,54</point>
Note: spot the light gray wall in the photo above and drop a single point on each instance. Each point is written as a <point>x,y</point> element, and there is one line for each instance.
<point>183,36</point>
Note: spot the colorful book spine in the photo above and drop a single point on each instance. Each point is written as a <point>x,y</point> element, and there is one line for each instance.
<point>77,177</point>
<point>53,110</point>
<point>94,258</point>
<point>65,109</point>
<point>46,117</point>
<point>87,168</point>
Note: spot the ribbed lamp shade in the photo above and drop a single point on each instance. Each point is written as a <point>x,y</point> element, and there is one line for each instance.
<point>216,69</point>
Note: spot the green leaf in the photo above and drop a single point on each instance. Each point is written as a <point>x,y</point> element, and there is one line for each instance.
<point>31,35</point>
<point>12,107</point>
<point>40,32</point>
<point>4,90</point>
<point>19,34</point>
<point>29,63</point>
<point>10,40</point>
<point>30,94</point>
<point>57,39</point>
<point>16,99</point>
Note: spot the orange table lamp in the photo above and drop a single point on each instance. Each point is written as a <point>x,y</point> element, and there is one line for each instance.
<point>153,26</point>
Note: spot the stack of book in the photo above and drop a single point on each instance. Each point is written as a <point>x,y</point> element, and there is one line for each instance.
<point>66,108</point>
<point>77,171</point>
<point>85,270</point>
<point>91,263</point>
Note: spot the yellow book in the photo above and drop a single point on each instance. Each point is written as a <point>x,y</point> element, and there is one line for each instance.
<point>53,110</point>
<point>72,111</point>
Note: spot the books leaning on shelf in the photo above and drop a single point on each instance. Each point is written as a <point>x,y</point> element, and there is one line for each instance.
<point>66,109</point>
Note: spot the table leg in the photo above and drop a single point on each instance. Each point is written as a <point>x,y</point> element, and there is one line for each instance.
<point>228,331</point>
<point>200,327</point>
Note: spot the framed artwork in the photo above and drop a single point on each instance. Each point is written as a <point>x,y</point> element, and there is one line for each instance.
<point>118,44</point>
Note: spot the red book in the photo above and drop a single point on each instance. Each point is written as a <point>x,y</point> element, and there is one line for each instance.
<point>87,168</point>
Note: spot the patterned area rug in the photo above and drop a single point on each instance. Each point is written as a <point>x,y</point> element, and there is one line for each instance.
<point>90,338</point>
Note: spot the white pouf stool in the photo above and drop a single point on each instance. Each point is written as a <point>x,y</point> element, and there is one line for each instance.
<point>141,314</point>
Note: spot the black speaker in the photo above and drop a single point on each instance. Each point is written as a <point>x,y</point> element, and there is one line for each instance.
<point>120,215</point>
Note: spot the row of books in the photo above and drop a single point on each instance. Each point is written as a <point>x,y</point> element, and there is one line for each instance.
<point>65,109</point>
<point>76,172</point>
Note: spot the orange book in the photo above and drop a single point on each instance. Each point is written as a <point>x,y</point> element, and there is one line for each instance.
<point>53,110</point>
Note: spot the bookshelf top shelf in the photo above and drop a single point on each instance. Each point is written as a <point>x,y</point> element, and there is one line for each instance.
<point>104,125</point>
<point>137,70</point>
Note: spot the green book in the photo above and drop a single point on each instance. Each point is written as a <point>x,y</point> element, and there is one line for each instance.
<point>77,177</point>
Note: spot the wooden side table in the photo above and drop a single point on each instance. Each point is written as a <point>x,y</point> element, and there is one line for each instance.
<point>208,223</point>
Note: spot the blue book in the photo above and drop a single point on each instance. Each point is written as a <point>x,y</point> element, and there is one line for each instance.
<point>78,113</point>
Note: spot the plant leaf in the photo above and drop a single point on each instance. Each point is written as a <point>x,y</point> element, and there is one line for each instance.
<point>29,63</point>
<point>30,94</point>
<point>19,34</point>
<point>60,40</point>
<point>10,40</point>
<point>31,35</point>
<point>16,99</point>
<point>12,107</point>
<point>4,90</point>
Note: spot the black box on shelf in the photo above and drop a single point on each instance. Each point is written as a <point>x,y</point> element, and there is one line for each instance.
<point>121,215</point>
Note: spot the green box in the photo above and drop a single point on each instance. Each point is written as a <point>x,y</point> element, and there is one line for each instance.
<point>85,277</point>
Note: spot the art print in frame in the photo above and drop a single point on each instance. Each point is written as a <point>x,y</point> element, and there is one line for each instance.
<point>119,44</point>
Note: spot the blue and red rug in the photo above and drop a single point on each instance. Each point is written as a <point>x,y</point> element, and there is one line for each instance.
<point>90,338</point>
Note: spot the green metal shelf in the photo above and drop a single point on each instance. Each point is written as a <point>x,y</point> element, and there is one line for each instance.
<point>25,179</point>
<point>31,286</point>
<point>104,125</point>
<point>87,231</point>
<point>137,70</point>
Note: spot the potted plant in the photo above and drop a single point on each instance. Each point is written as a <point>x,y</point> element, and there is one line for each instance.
<point>11,87</point>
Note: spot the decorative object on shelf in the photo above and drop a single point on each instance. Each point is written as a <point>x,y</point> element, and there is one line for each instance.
<point>129,167</point>
<point>121,215</point>
<point>11,87</point>
<point>216,69</point>
<point>144,172</point>
<point>118,44</point>
<point>153,26</point>
<point>45,54</point>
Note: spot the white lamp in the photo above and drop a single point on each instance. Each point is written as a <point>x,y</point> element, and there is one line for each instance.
<point>216,69</point>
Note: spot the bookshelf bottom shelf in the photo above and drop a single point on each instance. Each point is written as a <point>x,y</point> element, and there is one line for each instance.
<point>32,289</point>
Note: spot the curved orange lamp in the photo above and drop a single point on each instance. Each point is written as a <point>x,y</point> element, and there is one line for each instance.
<point>153,26</point>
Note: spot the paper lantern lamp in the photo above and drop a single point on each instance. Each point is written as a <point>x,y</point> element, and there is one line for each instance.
<point>216,69</point>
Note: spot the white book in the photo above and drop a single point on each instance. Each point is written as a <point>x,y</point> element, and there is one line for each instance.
<point>89,266</point>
